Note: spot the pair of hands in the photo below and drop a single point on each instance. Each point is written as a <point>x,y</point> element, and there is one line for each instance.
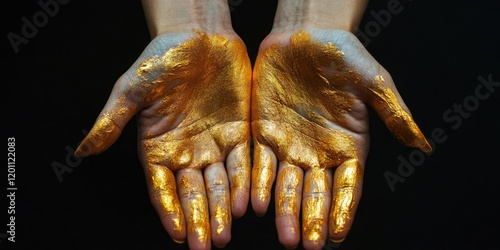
<point>201,110</point>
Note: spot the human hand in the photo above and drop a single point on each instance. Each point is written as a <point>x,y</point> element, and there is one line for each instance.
<point>310,130</point>
<point>191,94</point>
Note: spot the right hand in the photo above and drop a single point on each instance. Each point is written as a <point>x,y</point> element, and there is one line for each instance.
<point>311,89</point>
<point>191,95</point>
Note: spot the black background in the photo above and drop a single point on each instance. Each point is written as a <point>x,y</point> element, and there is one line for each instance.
<point>58,82</point>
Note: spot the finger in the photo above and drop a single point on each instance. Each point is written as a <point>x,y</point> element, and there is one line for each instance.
<point>163,195</point>
<point>288,195</point>
<point>386,101</point>
<point>347,186</point>
<point>109,124</point>
<point>263,174</point>
<point>217,186</point>
<point>315,207</point>
<point>195,207</point>
<point>238,170</point>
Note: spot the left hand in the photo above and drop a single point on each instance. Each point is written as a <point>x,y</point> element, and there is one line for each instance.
<point>310,130</point>
<point>191,94</point>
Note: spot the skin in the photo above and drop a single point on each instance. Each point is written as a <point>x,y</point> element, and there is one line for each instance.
<point>312,83</point>
<point>190,90</point>
<point>190,93</point>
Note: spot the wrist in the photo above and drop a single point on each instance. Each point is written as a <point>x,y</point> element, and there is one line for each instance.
<point>165,16</point>
<point>292,15</point>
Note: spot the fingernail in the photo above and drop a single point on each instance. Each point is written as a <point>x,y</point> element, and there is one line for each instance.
<point>178,241</point>
<point>337,242</point>
<point>426,148</point>
<point>82,150</point>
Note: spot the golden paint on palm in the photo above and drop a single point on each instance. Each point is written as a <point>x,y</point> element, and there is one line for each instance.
<point>306,100</point>
<point>314,215</point>
<point>297,109</point>
<point>200,91</point>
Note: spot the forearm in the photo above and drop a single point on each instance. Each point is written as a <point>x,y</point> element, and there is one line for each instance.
<point>163,16</point>
<point>330,14</point>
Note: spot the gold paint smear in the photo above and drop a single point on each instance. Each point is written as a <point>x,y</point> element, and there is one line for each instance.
<point>262,176</point>
<point>314,207</point>
<point>163,181</point>
<point>347,186</point>
<point>201,90</point>
<point>241,175</point>
<point>220,211</point>
<point>299,103</point>
<point>198,219</point>
<point>221,216</point>
<point>399,122</point>
<point>288,193</point>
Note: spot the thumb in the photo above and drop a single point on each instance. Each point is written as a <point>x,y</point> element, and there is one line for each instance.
<point>384,98</point>
<point>117,112</point>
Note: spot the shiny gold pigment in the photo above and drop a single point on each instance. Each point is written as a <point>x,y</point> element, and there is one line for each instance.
<point>197,205</point>
<point>400,122</point>
<point>296,110</point>
<point>105,130</point>
<point>206,114</point>
<point>299,112</point>
<point>347,185</point>
<point>161,180</point>
<point>217,190</point>
<point>240,177</point>
<point>196,98</point>
<point>288,196</point>
<point>316,192</point>
<point>221,217</point>
<point>305,99</point>
<point>194,108</point>
<point>262,174</point>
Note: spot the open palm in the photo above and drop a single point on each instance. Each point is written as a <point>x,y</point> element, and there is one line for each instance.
<point>191,95</point>
<point>310,130</point>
